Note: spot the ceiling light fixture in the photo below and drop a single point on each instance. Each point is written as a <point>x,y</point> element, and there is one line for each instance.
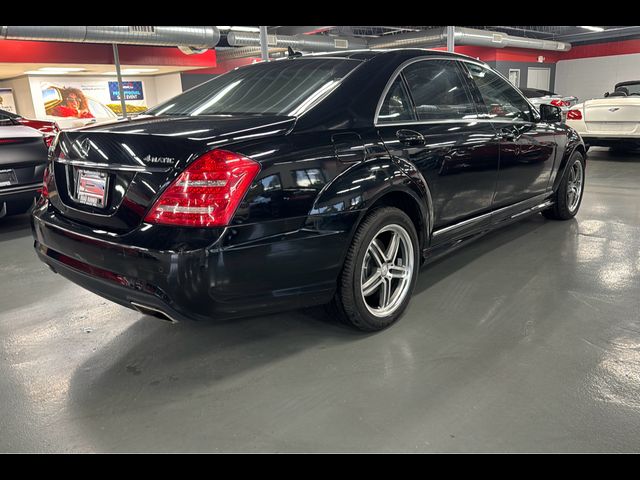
<point>246,29</point>
<point>594,29</point>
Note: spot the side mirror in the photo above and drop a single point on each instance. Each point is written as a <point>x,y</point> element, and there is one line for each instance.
<point>606,94</point>
<point>550,113</point>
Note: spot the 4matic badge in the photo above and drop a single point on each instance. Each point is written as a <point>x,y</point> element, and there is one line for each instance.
<point>159,160</point>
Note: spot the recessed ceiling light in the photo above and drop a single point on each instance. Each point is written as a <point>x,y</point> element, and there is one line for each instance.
<point>62,69</point>
<point>594,29</point>
<point>224,28</point>
<point>245,29</point>
<point>133,71</point>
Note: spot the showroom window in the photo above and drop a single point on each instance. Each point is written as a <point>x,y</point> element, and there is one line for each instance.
<point>438,91</point>
<point>396,106</point>
<point>501,99</point>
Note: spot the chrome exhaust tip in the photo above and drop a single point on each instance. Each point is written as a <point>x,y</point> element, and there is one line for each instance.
<point>153,312</point>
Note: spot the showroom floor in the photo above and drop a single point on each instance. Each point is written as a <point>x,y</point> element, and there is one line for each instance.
<point>527,340</point>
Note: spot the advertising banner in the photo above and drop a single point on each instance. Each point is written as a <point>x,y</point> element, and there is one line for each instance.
<point>89,99</point>
<point>7,102</point>
<point>132,91</point>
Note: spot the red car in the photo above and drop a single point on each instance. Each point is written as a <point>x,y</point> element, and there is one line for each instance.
<point>49,129</point>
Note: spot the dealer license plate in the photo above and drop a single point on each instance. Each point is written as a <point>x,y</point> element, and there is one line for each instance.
<point>7,177</point>
<point>91,187</point>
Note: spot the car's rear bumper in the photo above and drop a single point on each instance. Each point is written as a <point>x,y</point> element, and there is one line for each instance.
<point>270,275</point>
<point>606,141</point>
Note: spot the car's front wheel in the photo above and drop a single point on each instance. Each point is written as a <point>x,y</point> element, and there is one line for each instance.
<point>380,270</point>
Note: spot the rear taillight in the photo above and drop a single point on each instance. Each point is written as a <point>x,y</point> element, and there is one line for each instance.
<point>574,115</point>
<point>207,193</point>
<point>560,103</point>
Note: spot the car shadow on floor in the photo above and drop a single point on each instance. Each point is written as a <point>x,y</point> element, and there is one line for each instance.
<point>15,226</point>
<point>151,351</point>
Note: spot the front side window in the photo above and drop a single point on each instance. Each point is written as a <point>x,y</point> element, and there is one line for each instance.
<point>502,101</point>
<point>396,106</point>
<point>438,91</point>
<point>285,87</point>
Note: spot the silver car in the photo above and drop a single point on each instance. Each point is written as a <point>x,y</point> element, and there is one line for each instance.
<point>537,97</point>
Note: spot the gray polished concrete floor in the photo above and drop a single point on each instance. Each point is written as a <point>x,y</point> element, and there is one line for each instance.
<point>527,340</point>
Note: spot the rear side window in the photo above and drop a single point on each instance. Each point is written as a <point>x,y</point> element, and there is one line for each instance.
<point>501,99</point>
<point>438,91</point>
<point>283,87</point>
<point>396,106</point>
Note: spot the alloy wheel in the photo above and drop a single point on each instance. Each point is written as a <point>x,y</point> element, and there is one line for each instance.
<point>574,185</point>
<point>387,270</point>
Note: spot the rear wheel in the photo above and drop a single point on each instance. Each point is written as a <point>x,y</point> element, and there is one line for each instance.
<point>380,271</point>
<point>568,196</point>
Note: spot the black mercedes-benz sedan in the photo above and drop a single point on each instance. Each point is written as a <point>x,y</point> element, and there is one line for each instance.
<point>320,179</point>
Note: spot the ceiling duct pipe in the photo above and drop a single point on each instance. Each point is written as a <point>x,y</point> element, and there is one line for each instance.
<point>465,36</point>
<point>487,38</point>
<point>195,38</point>
<point>243,52</point>
<point>308,43</point>
<point>434,37</point>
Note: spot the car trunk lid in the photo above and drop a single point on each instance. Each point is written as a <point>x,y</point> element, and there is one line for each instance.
<point>108,176</point>
<point>612,114</point>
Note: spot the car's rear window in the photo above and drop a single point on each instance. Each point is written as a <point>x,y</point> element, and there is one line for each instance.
<point>285,87</point>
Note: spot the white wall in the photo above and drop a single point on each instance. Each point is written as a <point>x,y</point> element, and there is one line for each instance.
<point>21,95</point>
<point>167,86</point>
<point>588,78</point>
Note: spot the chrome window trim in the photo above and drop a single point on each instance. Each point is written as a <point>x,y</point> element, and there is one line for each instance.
<point>533,109</point>
<point>398,71</point>
<point>478,63</point>
<point>455,120</point>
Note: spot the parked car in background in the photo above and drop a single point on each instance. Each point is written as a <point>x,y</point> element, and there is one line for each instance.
<point>48,129</point>
<point>612,121</point>
<point>23,158</point>
<point>537,97</point>
<point>303,181</point>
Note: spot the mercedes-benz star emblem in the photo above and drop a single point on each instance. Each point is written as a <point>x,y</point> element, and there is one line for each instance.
<point>85,145</point>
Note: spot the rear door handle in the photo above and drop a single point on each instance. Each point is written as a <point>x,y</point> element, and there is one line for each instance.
<point>410,137</point>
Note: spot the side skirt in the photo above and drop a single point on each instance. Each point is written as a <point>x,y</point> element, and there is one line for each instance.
<point>498,218</point>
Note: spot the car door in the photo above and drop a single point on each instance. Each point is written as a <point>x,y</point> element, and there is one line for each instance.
<point>427,116</point>
<point>527,145</point>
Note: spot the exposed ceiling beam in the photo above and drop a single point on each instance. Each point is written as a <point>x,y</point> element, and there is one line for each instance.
<point>611,33</point>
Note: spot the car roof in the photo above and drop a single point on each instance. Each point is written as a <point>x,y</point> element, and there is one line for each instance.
<point>368,54</point>
<point>628,82</point>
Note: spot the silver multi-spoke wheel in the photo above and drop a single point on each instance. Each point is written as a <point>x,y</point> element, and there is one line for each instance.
<point>387,270</point>
<point>574,185</point>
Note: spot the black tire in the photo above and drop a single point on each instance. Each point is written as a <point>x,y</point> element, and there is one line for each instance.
<point>560,209</point>
<point>349,303</point>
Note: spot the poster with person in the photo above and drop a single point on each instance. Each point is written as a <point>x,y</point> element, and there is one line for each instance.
<point>90,99</point>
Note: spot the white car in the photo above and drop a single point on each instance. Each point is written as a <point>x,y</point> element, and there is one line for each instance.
<point>612,121</point>
<point>537,97</point>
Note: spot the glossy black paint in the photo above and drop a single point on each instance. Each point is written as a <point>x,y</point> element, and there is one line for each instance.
<point>320,174</point>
